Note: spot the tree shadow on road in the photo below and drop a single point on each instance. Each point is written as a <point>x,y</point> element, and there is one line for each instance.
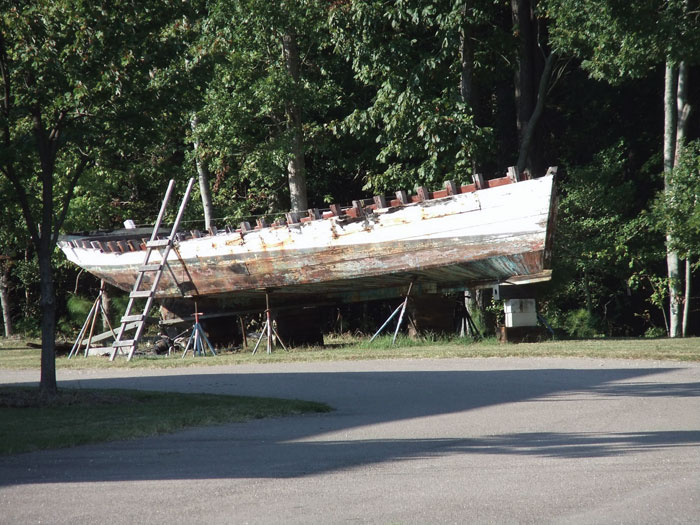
<point>300,446</point>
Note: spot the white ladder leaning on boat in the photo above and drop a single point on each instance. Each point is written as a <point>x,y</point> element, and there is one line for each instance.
<point>131,321</point>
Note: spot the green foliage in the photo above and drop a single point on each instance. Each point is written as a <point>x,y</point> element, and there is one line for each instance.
<point>581,324</point>
<point>617,39</point>
<point>655,332</point>
<point>677,210</point>
<point>244,113</point>
<point>82,77</point>
<point>78,307</point>
<point>28,326</point>
<point>606,247</point>
<point>596,204</point>
<point>408,53</point>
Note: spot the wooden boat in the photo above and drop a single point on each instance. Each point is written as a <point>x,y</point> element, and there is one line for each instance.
<point>489,232</point>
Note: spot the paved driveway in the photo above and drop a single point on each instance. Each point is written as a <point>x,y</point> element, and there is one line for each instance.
<point>410,441</point>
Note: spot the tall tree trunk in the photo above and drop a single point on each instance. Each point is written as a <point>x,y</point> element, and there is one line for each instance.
<point>296,169</point>
<point>587,293</point>
<point>682,113</point>
<point>466,56</point>
<point>47,384</point>
<point>44,238</point>
<point>682,109</point>
<point>672,259</point>
<point>526,75</point>
<point>688,290</point>
<point>27,293</point>
<point>474,303</point>
<point>5,298</point>
<point>528,136</point>
<point>203,175</point>
<point>466,90</point>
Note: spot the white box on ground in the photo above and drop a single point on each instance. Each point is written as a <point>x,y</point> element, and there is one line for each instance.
<point>520,312</point>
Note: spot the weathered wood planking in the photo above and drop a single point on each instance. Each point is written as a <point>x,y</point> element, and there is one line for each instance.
<point>491,235</point>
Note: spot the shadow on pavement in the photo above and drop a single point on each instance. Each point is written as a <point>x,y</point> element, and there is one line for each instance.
<point>298,446</point>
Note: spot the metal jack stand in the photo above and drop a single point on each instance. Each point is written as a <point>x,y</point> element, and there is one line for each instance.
<point>473,330</point>
<point>198,338</point>
<point>268,329</point>
<point>90,323</point>
<point>401,307</point>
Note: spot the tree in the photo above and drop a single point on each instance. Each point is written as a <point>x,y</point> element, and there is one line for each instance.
<point>10,244</point>
<point>75,90</point>
<point>595,238</point>
<point>203,176</point>
<point>418,60</point>
<point>5,303</point>
<point>269,93</point>
<point>532,78</point>
<point>679,212</point>
<point>617,40</point>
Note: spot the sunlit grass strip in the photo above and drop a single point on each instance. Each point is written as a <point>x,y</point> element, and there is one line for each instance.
<point>347,348</point>
<point>79,417</point>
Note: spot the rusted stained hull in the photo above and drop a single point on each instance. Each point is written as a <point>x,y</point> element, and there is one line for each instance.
<point>488,236</point>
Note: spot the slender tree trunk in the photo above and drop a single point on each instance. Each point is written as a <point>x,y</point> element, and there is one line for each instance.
<point>587,293</point>
<point>47,384</point>
<point>529,133</point>
<point>5,299</point>
<point>467,92</point>
<point>672,259</point>
<point>466,56</point>
<point>27,294</point>
<point>44,242</point>
<point>526,75</point>
<point>474,303</point>
<point>296,169</point>
<point>682,109</point>
<point>203,175</point>
<point>682,113</point>
<point>688,290</point>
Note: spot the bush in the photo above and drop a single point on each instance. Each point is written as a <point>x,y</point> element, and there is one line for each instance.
<point>654,332</point>
<point>581,324</point>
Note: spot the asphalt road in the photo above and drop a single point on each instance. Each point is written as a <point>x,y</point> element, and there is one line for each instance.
<point>410,441</point>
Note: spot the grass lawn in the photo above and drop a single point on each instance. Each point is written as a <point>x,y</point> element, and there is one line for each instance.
<point>15,354</point>
<point>79,417</point>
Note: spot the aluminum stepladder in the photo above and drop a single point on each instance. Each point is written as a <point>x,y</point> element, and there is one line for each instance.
<point>163,246</point>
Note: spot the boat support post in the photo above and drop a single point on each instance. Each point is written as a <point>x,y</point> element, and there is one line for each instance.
<point>90,322</point>
<point>268,330</point>
<point>198,339</point>
<point>402,308</point>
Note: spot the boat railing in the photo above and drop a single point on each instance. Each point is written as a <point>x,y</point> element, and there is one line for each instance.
<point>360,208</point>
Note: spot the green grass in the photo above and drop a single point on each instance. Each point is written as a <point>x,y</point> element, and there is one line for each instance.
<point>13,356</point>
<point>78,417</point>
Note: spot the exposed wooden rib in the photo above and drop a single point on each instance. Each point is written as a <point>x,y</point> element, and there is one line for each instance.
<point>402,196</point>
<point>379,201</point>
<point>513,174</point>
<point>451,187</point>
<point>158,243</point>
